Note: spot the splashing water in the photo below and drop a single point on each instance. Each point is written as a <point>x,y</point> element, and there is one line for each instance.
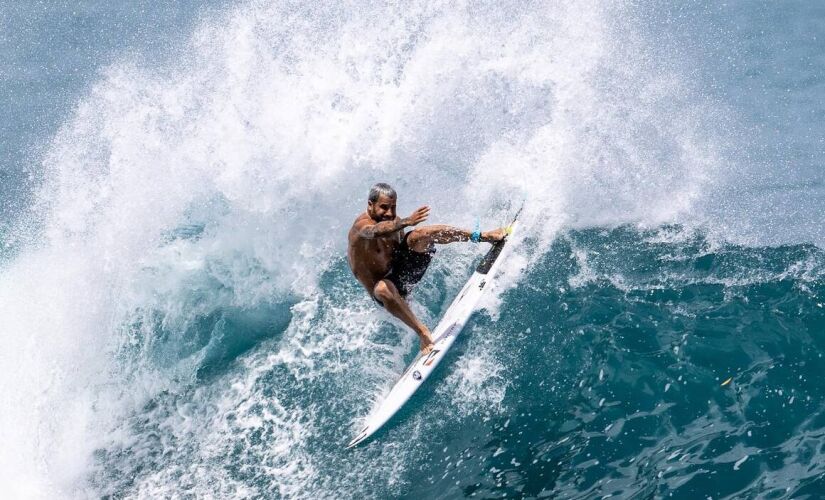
<point>181,319</point>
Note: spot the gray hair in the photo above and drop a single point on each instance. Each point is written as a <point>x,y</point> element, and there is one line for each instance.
<point>379,189</point>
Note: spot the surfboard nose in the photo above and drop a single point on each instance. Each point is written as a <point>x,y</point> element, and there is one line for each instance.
<point>357,439</point>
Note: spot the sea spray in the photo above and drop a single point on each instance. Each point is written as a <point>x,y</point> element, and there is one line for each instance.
<point>185,321</point>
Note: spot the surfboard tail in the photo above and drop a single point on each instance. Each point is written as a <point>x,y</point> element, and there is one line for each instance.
<point>492,255</point>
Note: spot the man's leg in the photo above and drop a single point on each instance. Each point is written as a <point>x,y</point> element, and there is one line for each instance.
<point>386,292</point>
<point>422,239</point>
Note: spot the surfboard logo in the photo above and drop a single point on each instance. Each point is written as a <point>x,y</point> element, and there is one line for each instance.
<point>430,357</point>
<point>417,375</point>
<point>451,331</point>
<point>481,285</point>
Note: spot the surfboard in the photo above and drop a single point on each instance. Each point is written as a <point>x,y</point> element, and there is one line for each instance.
<point>444,335</point>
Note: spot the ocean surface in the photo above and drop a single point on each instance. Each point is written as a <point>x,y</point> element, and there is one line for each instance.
<point>177,179</point>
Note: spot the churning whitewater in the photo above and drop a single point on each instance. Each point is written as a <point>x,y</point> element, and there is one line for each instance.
<point>179,318</point>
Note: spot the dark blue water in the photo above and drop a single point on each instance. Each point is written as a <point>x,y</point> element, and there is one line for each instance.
<point>179,319</point>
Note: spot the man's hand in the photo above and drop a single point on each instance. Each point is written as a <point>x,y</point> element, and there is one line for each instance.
<point>417,217</point>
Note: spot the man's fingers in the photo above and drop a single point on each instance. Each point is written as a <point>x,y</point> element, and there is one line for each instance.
<point>420,215</point>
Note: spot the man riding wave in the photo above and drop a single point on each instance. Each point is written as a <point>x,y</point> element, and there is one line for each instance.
<point>389,262</point>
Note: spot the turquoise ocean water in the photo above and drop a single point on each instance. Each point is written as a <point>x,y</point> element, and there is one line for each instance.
<point>177,180</point>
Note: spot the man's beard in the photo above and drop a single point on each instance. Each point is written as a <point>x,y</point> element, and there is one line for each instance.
<point>382,218</point>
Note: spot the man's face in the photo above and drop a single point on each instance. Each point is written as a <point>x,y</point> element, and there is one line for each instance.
<point>382,209</point>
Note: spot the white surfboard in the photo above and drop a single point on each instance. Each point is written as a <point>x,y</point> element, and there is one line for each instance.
<point>444,335</point>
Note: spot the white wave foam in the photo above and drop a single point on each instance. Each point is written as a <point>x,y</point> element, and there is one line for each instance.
<point>476,382</point>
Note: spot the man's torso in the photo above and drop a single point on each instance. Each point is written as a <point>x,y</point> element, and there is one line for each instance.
<point>371,259</point>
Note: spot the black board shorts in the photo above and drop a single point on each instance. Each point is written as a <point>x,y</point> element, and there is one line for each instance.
<point>407,267</point>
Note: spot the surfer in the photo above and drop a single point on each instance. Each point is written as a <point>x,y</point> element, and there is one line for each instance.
<point>389,262</point>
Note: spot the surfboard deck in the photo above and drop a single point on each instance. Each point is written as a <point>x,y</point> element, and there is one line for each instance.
<point>451,324</point>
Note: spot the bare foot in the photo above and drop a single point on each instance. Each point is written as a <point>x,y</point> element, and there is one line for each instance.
<point>426,343</point>
<point>494,235</point>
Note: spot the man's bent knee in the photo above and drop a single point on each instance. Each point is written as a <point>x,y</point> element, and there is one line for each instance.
<point>383,291</point>
<point>420,240</point>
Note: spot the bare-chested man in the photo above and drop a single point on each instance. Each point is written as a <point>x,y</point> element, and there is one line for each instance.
<point>389,262</point>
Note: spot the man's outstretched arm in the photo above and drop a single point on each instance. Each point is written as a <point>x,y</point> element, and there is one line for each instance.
<point>369,230</point>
